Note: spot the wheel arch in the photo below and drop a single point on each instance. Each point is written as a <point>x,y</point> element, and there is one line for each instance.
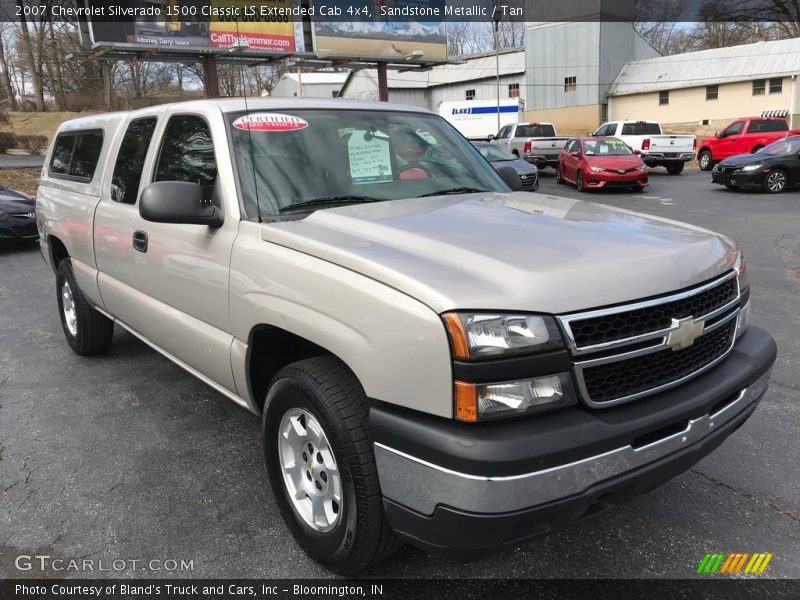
<point>270,348</point>
<point>58,251</point>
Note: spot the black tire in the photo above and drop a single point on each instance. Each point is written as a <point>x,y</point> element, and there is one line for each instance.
<point>704,160</point>
<point>559,177</point>
<point>730,186</point>
<point>579,182</point>
<point>92,331</point>
<point>775,181</point>
<point>675,169</point>
<point>756,149</point>
<point>328,391</point>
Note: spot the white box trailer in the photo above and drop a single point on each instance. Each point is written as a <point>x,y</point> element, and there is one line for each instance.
<point>477,119</point>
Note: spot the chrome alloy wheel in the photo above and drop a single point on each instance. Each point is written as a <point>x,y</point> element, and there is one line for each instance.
<point>68,307</point>
<point>776,181</point>
<point>310,473</point>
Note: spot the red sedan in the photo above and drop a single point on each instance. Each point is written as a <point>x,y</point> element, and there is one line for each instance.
<point>600,162</point>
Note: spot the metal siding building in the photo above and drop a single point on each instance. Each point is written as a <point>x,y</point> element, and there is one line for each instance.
<point>591,52</point>
<point>321,84</point>
<point>429,89</point>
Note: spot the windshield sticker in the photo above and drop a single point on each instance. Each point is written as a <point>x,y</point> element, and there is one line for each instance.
<point>370,160</point>
<point>265,121</point>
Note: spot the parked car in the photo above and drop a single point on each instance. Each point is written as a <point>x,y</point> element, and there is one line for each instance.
<point>17,217</point>
<point>742,136</point>
<point>433,359</point>
<point>772,169</point>
<point>601,162</point>
<point>657,149</point>
<point>536,143</point>
<point>528,173</point>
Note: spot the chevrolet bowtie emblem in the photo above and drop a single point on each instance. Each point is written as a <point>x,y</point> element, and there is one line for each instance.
<point>683,332</point>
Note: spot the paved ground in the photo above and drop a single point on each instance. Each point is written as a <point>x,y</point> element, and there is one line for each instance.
<point>20,161</point>
<point>127,457</point>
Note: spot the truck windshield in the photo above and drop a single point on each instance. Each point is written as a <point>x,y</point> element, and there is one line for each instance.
<point>299,160</point>
<point>538,130</point>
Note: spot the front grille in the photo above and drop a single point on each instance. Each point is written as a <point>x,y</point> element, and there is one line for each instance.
<point>613,381</point>
<point>528,183</point>
<point>626,324</point>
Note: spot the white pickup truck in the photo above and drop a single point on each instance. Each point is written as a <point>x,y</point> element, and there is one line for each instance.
<point>657,149</point>
<point>434,358</point>
<point>537,143</point>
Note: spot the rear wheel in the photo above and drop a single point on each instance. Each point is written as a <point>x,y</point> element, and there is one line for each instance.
<point>87,331</point>
<point>321,465</point>
<point>775,181</point>
<point>579,182</point>
<point>675,169</point>
<point>704,160</point>
<point>756,149</point>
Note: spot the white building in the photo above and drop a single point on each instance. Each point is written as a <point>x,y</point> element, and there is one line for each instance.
<point>711,87</point>
<point>320,84</point>
<point>472,78</point>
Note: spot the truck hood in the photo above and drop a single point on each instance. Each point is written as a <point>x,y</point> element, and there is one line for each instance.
<point>519,251</point>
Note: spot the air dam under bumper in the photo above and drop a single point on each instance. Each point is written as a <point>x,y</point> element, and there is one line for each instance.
<point>458,489</point>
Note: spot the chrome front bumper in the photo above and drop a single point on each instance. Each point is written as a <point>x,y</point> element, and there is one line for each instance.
<point>421,486</point>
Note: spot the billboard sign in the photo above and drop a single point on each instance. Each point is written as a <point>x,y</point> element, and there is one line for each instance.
<point>197,24</point>
<point>380,29</point>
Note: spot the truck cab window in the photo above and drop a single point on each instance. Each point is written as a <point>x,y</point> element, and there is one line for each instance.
<point>733,129</point>
<point>187,153</point>
<point>130,160</point>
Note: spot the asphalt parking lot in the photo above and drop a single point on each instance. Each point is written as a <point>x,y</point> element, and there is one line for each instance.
<point>126,456</point>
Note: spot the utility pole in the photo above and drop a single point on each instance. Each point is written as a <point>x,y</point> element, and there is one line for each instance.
<point>299,82</point>
<point>210,78</point>
<point>383,84</point>
<point>496,18</point>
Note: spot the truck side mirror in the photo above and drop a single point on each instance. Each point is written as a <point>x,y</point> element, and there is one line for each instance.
<point>510,176</point>
<point>575,153</point>
<point>491,137</point>
<point>637,152</point>
<point>590,134</point>
<point>178,202</point>
<point>718,135</point>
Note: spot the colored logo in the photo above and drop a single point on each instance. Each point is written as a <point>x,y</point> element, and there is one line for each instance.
<point>263,121</point>
<point>734,562</point>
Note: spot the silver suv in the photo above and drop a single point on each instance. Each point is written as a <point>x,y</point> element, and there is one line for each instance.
<point>435,358</point>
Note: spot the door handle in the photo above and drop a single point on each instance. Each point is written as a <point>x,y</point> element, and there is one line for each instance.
<point>140,241</point>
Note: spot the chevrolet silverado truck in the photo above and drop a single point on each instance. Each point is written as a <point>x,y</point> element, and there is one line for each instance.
<point>434,357</point>
<point>536,143</point>
<point>742,136</point>
<point>656,149</point>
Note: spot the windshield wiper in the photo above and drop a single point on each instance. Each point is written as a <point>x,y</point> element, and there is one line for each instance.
<point>330,201</point>
<point>451,191</point>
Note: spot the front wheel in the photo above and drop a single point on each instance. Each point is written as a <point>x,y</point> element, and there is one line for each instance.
<point>579,182</point>
<point>321,465</point>
<point>775,181</point>
<point>559,177</point>
<point>704,161</point>
<point>87,331</point>
<point>675,169</point>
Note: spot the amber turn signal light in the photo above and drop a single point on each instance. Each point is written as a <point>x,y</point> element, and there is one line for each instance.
<point>466,397</point>
<point>458,336</point>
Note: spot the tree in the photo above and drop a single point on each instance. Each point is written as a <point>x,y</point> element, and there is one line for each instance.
<point>32,51</point>
<point>5,70</point>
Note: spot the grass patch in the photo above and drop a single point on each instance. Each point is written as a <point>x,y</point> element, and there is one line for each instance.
<point>23,180</point>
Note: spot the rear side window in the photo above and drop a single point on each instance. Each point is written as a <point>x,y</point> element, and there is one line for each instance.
<point>535,131</point>
<point>641,129</point>
<point>187,153</point>
<point>130,160</point>
<point>768,125</point>
<point>76,153</point>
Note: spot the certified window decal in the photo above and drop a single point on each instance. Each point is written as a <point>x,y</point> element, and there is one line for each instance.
<point>267,121</point>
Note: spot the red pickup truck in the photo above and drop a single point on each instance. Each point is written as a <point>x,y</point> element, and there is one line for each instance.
<point>742,136</point>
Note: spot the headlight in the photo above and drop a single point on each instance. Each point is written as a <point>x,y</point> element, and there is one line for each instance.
<point>752,167</point>
<point>491,335</point>
<point>742,273</point>
<point>479,401</point>
<point>596,169</point>
<point>641,168</point>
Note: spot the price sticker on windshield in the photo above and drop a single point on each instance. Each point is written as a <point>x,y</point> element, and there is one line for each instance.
<point>266,121</point>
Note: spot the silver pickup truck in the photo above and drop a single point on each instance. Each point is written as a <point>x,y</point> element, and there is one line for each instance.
<point>536,143</point>
<point>435,358</point>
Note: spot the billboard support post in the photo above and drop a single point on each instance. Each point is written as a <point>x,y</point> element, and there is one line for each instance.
<point>210,78</point>
<point>383,83</point>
